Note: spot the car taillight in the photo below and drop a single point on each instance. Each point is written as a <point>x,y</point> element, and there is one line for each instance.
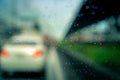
<point>38,53</point>
<point>4,53</point>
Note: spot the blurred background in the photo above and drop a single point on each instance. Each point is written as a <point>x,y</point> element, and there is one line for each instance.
<point>81,39</point>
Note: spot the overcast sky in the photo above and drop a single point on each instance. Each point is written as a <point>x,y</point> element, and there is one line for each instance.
<point>54,16</point>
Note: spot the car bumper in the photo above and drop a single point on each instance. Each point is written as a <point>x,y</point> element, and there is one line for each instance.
<point>22,64</point>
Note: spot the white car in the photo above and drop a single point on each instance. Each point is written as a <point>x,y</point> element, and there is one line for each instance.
<point>23,53</point>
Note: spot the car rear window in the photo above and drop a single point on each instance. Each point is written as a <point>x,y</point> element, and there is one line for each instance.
<point>22,43</point>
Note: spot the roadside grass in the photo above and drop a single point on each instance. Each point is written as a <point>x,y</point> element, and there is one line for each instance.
<point>105,54</point>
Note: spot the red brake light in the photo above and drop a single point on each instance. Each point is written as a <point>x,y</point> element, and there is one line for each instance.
<point>37,54</point>
<point>4,53</point>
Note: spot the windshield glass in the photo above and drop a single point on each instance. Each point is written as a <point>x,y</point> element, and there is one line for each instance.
<point>75,39</point>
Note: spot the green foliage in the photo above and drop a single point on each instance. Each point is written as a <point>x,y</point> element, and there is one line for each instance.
<point>105,54</point>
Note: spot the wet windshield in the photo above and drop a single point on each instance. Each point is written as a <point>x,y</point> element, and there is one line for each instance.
<point>76,39</point>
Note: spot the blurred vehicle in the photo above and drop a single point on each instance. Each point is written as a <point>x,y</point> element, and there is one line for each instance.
<point>23,53</point>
